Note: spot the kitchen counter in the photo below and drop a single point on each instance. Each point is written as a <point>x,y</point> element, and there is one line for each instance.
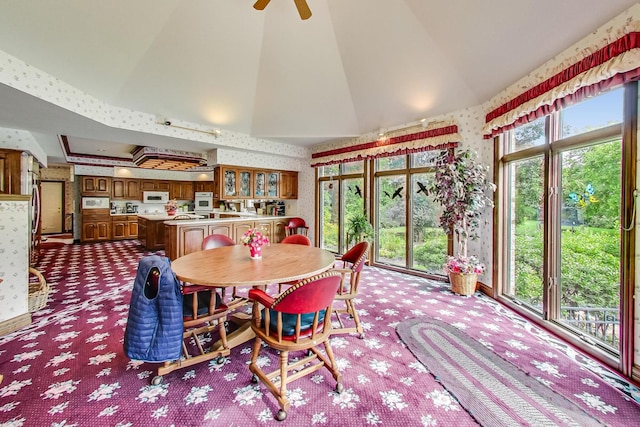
<point>238,216</point>
<point>165,217</point>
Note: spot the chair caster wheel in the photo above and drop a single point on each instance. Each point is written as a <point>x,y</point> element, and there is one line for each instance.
<point>220,360</point>
<point>339,388</point>
<point>281,415</point>
<point>157,380</point>
<point>361,336</point>
<point>254,379</point>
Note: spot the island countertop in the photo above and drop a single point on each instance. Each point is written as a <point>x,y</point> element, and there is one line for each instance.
<point>165,217</point>
<point>241,216</point>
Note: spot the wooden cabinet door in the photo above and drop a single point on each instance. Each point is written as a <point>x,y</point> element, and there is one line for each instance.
<point>203,186</point>
<point>99,186</point>
<point>89,231</point>
<point>265,227</point>
<point>225,229</point>
<point>118,188</point>
<point>245,183</point>
<point>279,230</point>
<point>133,229</point>
<point>260,184</point>
<point>239,228</point>
<point>273,182</point>
<point>132,189</point>
<point>229,183</point>
<point>181,190</point>
<point>119,229</point>
<point>147,185</point>
<point>104,230</point>
<point>288,185</point>
<point>163,186</point>
<point>191,239</point>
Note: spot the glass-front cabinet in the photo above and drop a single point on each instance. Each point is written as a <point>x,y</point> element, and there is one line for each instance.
<point>245,178</point>
<point>229,183</point>
<point>260,184</point>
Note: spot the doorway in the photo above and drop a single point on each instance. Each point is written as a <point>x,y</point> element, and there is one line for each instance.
<point>52,193</point>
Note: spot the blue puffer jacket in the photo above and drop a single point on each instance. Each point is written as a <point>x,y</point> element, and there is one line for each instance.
<point>154,326</point>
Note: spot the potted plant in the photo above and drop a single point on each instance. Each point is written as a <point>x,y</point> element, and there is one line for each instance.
<point>461,187</point>
<point>359,228</point>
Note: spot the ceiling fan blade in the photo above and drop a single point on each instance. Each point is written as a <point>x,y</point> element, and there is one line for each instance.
<point>303,9</point>
<point>261,4</point>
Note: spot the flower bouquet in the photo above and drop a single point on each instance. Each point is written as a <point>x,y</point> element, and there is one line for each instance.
<point>171,207</point>
<point>255,240</point>
<point>463,265</point>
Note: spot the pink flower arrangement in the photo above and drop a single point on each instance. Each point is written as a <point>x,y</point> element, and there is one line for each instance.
<point>254,238</point>
<point>463,265</point>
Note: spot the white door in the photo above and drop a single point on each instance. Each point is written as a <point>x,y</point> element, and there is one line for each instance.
<point>52,199</point>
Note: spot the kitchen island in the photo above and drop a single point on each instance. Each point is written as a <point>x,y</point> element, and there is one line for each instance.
<point>184,237</point>
<point>151,232</point>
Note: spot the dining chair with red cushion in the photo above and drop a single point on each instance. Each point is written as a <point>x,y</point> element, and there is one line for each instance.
<point>350,266</point>
<point>296,320</point>
<point>297,239</point>
<point>296,226</point>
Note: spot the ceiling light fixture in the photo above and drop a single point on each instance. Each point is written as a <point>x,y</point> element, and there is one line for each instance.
<point>215,132</point>
<point>165,159</point>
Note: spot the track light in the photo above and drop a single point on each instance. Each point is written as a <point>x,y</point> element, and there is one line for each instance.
<point>214,132</point>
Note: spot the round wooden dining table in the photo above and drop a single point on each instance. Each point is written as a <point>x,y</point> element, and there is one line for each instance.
<point>231,266</point>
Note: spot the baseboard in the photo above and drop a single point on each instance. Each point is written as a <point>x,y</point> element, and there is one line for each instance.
<point>15,323</point>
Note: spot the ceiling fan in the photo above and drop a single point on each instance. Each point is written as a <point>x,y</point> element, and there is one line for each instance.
<point>301,5</point>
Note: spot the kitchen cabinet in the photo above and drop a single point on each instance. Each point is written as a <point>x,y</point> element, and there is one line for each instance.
<point>265,227</point>
<point>10,172</point>
<point>233,183</point>
<point>154,185</point>
<point>225,229</point>
<point>260,184</point>
<point>279,230</point>
<point>288,185</point>
<point>245,183</point>
<point>96,186</point>
<point>124,227</point>
<point>96,225</point>
<point>203,186</point>
<point>273,179</point>
<point>151,233</point>
<point>125,189</point>
<point>181,190</point>
<point>239,228</point>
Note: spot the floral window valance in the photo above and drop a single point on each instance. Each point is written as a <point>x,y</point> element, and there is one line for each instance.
<point>595,68</point>
<point>441,137</point>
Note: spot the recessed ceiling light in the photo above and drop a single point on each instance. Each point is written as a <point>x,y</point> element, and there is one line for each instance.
<point>100,150</point>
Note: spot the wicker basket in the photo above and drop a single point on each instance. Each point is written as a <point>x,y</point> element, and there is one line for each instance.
<point>38,291</point>
<point>463,284</point>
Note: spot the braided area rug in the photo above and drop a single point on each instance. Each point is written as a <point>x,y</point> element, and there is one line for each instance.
<point>492,390</point>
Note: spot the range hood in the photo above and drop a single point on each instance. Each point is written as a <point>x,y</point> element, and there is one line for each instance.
<point>165,159</point>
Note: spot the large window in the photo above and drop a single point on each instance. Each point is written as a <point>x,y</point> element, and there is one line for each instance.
<point>407,220</point>
<point>560,198</point>
<point>342,194</point>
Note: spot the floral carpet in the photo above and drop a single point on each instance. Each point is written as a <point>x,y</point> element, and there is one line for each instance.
<point>68,368</point>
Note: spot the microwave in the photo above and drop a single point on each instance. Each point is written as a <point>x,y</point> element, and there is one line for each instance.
<point>157,197</point>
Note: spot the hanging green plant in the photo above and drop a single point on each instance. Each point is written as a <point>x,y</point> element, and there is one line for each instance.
<point>359,229</point>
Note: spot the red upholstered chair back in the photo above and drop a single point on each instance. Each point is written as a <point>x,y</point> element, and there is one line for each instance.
<point>309,295</point>
<point>296,222</point>
<point>357,256</point>
<point>297,239</point>
<point>217,241</point>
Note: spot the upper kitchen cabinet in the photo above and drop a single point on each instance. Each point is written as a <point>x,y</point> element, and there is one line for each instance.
<point>245,183</point>
<point>125,189</point>
<point>96,186</point>
<point>288,185</point>
<point>181,190</point>
<point>154,185</point>
<point>232,182</point>
<point>273,181</point>
<point>260,184</point>
<point>199,186</point>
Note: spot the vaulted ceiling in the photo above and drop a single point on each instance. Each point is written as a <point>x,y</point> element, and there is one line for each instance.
<point>353,67</point>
